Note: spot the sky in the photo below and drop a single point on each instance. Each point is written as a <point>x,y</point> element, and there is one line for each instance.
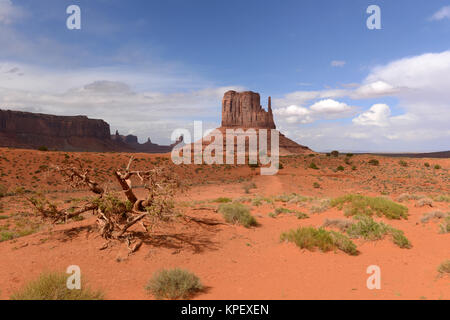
<point>150,67</point>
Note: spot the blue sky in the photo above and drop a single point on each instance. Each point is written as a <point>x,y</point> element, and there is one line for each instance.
<point>148,67</point>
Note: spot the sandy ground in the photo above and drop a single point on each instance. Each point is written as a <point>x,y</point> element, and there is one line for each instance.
<point>234,262</point>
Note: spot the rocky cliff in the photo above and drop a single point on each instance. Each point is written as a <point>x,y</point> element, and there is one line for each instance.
<point>244,110</point>
<point>66,133</point>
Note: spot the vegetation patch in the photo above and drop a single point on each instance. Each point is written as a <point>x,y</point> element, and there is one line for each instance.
<point>444,267</point>
<point>174,284</point>
<point>237,213</point>
<point>311,238</point>
<point>53,286</point>
<point>355,204</point>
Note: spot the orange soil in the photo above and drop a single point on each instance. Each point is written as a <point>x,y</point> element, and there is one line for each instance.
<point>234,262</point>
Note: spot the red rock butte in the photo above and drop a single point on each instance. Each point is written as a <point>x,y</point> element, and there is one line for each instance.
<point>243,110</point>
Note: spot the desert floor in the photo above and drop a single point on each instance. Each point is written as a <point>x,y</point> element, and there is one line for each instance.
<point>233,262</point>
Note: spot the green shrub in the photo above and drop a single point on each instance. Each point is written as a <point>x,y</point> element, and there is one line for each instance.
<point>237,213</point>
<point>312,165</point>
<point>310,238</point>
<point>426,164</point>
<point>367,228</point>
<point>437,167</point>
<point>374,162</point>
<point>403,163</point>
<point>399,238</point>
<point>316,185</point>
<point>340,168</point>
<point>335,153</point>
<point>222,200</point>
<point>445,226</point>
<point>355,204</point>
<point>3,191</point>
<point>53,286</point>
<point>174,284</point>
<point>43,148</point>
<point>444,267</point>
<point>349,155</point>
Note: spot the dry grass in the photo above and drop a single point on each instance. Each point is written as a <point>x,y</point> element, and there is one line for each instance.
<point>52,286</point>
<point>174,284</point>
<point>237,213</point>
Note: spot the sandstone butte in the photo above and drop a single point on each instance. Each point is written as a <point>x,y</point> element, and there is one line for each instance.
<point>243,110</point>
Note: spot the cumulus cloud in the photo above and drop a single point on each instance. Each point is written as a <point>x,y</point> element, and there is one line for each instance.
<point>323,109</point>
<point>419,84</point>
<point>377,115</point>
<point>443,13</point>
<point>338,63</point>
<point>113,95</point>
<point>8,12</point>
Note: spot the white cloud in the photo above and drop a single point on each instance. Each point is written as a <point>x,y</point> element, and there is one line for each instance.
<point>338,63</point>
<point>330,106</point>
<point>443,13</point>
<point>8,12</point>
<point>323,109</point>
<point>377,115</point>
<point>111,94</point>
<point>421,86</point>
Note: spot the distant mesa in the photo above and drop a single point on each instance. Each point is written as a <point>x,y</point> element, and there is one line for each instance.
<point>67,133</point>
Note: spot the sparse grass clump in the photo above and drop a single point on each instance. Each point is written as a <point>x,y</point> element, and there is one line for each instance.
<point>312,165</point>
<point>444,267</point>
<point>445,226</point>
<point>340,168</point>
<point>403,163</point>
<point>374,162</point>
<point>53,286</point>
<point>316,185</point>
<point>222,200</point>
<point>407,197</point>
<point>341,224</point>
<point>433,215</point>
<point>322,206</point>
<point>355,204</point>
<point>424,202</point>
<point>311,238</point>
<point>174,284</point>
<point>237,213</point>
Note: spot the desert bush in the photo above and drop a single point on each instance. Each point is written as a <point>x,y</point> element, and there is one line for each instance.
<point>174,284</point>
<point>335,153</point>
<point>248,186</point>
<point>322,206</point>
<point>349,155</point>
<point>3,191</point>
<point>53,286</point>
<point>445,226</point>
<point>310,238</point>
<point>403,163</point>
<point>444,267</point>
<point>424,202</point>
<point>368,229</point>
<point>433,215</point>
<point>237,213</point>
<point>442,198</point>
<point>316,185</point>
<point>341,224</point>
<point>426,164</point>
<point>437,167</point>
<point>301,215</point>
<point>355,204</point>
<point>374,162</point>
<point>407,196</point>
<point>222,200</point>
<point>398,237</point>
<point>340,168</point>
<point>43,148</point>
<point>312,165</point>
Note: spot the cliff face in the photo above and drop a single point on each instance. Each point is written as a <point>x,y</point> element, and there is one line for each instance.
<point>66,133</point>
<point>27,123</point>
<point>243,110</point>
